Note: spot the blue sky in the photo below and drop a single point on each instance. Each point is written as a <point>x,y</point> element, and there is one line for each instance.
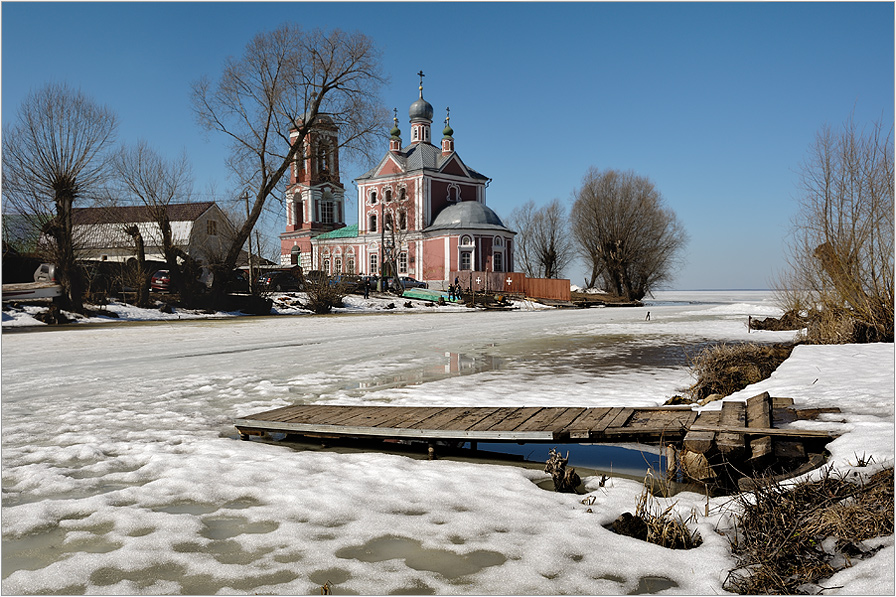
<point>717,103</point>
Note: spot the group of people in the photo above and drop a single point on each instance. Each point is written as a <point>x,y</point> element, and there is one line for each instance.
<point>454,290</point>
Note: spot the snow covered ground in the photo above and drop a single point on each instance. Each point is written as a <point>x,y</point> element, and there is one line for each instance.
<point>122,472</point>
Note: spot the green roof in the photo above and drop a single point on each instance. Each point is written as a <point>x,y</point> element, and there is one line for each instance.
<point>344,232</point>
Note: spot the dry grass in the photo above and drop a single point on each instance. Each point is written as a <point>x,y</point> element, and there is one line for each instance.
<point>789,539</point>
<point>726,368</point>
<point>663,527</point>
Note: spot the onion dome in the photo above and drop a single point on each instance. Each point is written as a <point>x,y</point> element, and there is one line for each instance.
<point>421,109</point>
<point>395,132</point>
<point>448,132</point>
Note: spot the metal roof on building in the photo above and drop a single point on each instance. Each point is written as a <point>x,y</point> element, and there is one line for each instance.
<point>467,215</point>
<point>344,232</point>
<point>420,156</point>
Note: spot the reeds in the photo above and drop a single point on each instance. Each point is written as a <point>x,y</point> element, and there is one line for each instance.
<point>788,539</point>
<point>727,368</point>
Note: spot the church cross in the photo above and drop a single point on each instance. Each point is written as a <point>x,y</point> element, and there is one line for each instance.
<point>421,75</point>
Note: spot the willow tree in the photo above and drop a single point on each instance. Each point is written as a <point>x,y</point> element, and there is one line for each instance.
<point>156,183</point>
<point>267,100</point>
<point>55,155</point>
<point>840,255</point>
<point>625,233</point>
<point>543,246</point>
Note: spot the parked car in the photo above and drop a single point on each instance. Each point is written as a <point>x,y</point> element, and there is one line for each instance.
<point>238,281</point>
<point>408,282</point>
<point>315,276</point>
<point>278,281</point>
<point>160,281</point>
<point>347,282</point>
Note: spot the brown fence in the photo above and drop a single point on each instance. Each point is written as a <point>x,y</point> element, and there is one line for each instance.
<point>514,282</point>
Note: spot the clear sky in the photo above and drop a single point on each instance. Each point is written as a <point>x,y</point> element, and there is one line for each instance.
<point>717,103</point>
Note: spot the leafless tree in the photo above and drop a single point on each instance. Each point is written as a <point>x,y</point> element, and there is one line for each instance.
<point>840,255</point>
<point>285,80</point>
<point>56,155</point>
<point>625,233</point>
<point>156,183</point>
<point>543,247</point>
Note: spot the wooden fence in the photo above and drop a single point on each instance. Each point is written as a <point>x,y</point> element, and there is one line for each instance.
<point>513,282</point>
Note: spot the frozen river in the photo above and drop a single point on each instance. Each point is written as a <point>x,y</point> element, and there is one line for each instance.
<point>122,473</point>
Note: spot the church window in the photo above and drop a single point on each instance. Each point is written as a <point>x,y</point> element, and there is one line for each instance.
<point>371,223</point>
<point>466,241</point>
<point>294,255</point>
<point>466,260</point>
<point>416,133</point>
<point>374,264</point>
<point>350,264</point>
<point>402,220</point>
<point>326,212</point>
<point>403,262</point>
<point>498,262</point>
<point>499,241</point>
<point>297,217</point>
<point>327,265</point>
<point>337,262</point>
<point>373,197</point>
<point>387,195</point>
<point>402,194</point>
<point>453,193</point>
<point>387,221</point>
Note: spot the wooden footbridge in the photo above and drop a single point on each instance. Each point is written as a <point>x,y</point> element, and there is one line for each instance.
<point>740,431</point>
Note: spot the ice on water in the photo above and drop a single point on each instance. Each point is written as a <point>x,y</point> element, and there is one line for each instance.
<point>122,473</point>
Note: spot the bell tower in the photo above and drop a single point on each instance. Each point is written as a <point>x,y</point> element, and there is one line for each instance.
<point>315,197</point>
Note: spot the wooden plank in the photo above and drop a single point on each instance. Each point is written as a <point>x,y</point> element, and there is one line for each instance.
<point>699,441</point>
<point>542,420</point>
<point>769,431</point>
<point>513,419</point>
<point>708,418</point>
<point>570,415</point>
<point>468,418</point>
<point>618,421</point>
<point>759,411</point>
<point>498,419</point>
<point>311,414</point>
<point>581,426</point>
<point>369,417</point>
<point>782,402</point>
<point>407,416</point>
<point>760,447</point>
<point>733,416</point>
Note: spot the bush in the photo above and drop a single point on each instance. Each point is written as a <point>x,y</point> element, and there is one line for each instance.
<point>323,297</point>
<point>727,368</point>
<point>789,539</point>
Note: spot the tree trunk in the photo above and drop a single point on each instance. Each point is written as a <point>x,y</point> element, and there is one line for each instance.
<point>66,268</point>
<point>142,275</point>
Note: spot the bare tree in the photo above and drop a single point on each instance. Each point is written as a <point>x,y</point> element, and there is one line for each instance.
<point>840,255</point>
<point>625,233</point>
<point>269,99</point>
<point>157,183</point>
<point>54,156</point>
<point>543,247</point>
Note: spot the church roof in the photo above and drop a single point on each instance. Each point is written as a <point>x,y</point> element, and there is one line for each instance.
<point>344,232</point>
<point>467,215</point>
<point>420,156</point>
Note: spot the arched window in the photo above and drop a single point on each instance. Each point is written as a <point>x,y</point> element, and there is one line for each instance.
<point>402,194</point>
<point>498,262</point>
<point>499,242</point>
<point>295,255</point>
<point>387,195</point>
<point>387,222</point>
<point>453,193</point>
<point>402,220</point>
<point>373,197</point>
<point>466,241</point>
<point>371,222</point>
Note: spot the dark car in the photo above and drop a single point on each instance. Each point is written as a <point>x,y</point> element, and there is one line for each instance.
<point>238,281</point>
<point>347,282</point>
<point>161,281</point>
<point>407,282</point>
<point>278,281</point>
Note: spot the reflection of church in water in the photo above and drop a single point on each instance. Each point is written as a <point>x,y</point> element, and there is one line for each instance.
<point>421,204</point>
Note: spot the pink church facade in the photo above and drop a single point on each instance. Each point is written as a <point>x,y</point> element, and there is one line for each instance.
<point>421,209</point>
